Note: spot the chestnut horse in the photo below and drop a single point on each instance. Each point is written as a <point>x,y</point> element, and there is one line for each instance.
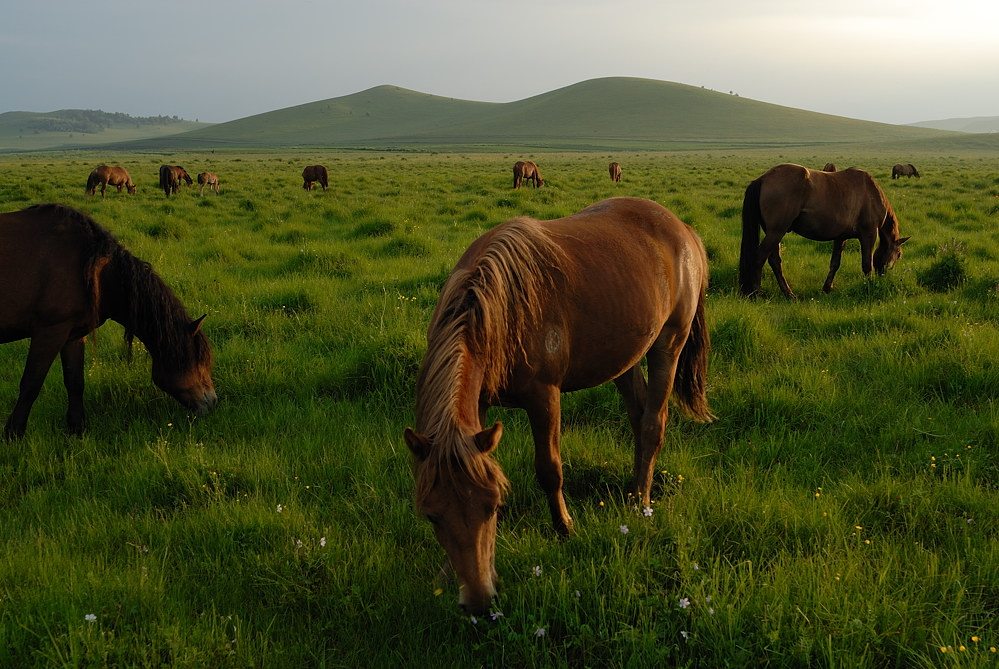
<point>526,170</point>
<point>62,276</point>
<point>822,206</point>
<point>829,167</point>
<point>615,172</point>
<point>907,170</point>
<point>534,309</point>
<point>103,175</point>
<point>209,179</point>
<point>171,176</point>
<point>314,173</point>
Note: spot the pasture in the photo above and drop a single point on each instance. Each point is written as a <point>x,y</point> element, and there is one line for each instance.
<point>842,509</point>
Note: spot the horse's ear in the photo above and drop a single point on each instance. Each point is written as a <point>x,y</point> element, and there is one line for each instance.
<point>417,443</point>
<point>195,326</point>
<point>489,439</point>
<point>903,240</point>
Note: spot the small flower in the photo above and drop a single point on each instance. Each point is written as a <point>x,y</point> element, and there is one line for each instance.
<point>976,639</point>
<point>90,618</point>
<point>647,512</point>
<point>495,615</point>
<point>711,610</point>
<point>992,649</point>
<point>697,567</point>
<point>540,632</point>
<point>962,648</point>
<point>685,634</point>
<point>684,602</point>
<point>624,529</point>
<point>322,542</point>
<point>475,621</point>
<point>536,570</point>
<point>298,543</point>
<point>280,508</point>
<point>943,649</point>
<point>578,594</point>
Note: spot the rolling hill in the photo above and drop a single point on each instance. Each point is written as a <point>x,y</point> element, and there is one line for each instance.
<point>609,113</point>
<point>973,124</point>
<point>73,128</point>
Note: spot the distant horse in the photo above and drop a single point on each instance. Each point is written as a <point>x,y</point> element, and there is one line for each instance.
<point>209,179</point>
<point>823,206</point>
<point>615,172</point>
<point>829,167</point>
<point>171,176</point>
<point>103,175</point>
<point>526,170</point>
<point>536,308</point>
<point>314,173</point>
<point>62,276</point>
<point>907,170</point>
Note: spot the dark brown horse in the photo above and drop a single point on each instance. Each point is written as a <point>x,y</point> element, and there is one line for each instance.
<point>314,173</point>
<point>209,179</point>
<point>537,308</point>
<point>102,176</point>
<point>526,170</point>
<point>171,176</point>
<point>615,172</point>
<point>823,206</point>
<point>829,167</point>
<point>907,170</point>
<point>62,276</point>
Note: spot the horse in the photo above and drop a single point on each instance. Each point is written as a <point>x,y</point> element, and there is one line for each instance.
<point>314,173</point>
<point>103,175</point>
<point>907,170</point>
<point>62,276</point>
<point>536,308</point>
<point>615,172</point>
<point>209,179</point>
<point>829,167</point>
<point>171,176</point>
<point>822,206</point>
<point>526,170</point>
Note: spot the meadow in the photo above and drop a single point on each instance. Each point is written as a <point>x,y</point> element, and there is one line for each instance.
<point>841,511</point>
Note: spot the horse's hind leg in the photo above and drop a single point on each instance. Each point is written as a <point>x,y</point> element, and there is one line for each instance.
<point>41,352</point>
<point>633,391</point>
<point>72,376</point>
<point>544,411</point>
<point>777,265</point>
<point>837,255</point>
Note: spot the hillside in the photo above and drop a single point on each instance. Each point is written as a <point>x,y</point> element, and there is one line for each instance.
<point>974,124</point>
<point>68,128</point>
<point>609,113</point>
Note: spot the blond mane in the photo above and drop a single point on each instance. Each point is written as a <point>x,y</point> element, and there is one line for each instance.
<point>484,313</point>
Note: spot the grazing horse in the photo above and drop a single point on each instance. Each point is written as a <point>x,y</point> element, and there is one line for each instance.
<point>171,176</point>
<point>822,206</point>
<point>209,179</point>
<point>61,277</point>
<point>534,309</point>
<point>526,170</point>
<point>103,175</point>
<point>829,167</point>
<point>615,172</point>
<point>314,173</point>
<point>907,170</point>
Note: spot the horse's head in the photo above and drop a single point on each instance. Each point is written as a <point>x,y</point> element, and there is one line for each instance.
<point>192,384</point>
<point>887,254</point>
<point>187,177</point>
<point>130,186</point>
<point>461,498</point>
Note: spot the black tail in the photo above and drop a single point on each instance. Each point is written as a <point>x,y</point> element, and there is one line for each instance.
<point>750,273</point>
<point>690,384</point>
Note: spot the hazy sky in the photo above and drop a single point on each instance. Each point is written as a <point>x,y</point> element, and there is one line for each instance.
<point>896,61</point>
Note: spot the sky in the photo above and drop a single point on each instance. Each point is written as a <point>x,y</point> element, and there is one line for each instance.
<point>891,61</point>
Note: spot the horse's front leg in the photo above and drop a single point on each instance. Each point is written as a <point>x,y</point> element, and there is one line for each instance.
<point>544,411</point>
<point>837,254</point>
<point>72,376</point>
<point>867,242</point>
<point>41,352</point>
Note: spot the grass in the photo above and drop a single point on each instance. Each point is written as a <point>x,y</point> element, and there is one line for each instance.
<point>842,510</point>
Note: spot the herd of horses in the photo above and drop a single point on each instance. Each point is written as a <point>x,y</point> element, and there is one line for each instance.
<point>532,309</point>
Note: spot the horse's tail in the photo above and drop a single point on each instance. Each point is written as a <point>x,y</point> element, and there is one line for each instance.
<point>752,223</point>
<point>92,181</point>
<point>690,385</point>
<point>165,179</point>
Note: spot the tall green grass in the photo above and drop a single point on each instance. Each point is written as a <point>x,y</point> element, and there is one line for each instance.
<point>842,510</point>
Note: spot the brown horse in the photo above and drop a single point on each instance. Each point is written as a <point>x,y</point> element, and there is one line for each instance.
<point>536,308</point>
<point>829,167</point>
<point>209,179</point>
<point>62,276</point>
<point>615,172</point>
<point>171,176</point>
<point>822,206</point>
<point>526,170</point>
<point>907,170</point>
<point>314,173</point>
<point>103,175</point>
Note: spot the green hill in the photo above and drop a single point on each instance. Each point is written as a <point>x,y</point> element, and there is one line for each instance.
<point>974,124</point>
<point>609,113</point>
<point>71,128</point>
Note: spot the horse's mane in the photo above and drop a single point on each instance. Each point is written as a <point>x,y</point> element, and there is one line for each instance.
<point>485,312</point>
<point>151,309</point>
